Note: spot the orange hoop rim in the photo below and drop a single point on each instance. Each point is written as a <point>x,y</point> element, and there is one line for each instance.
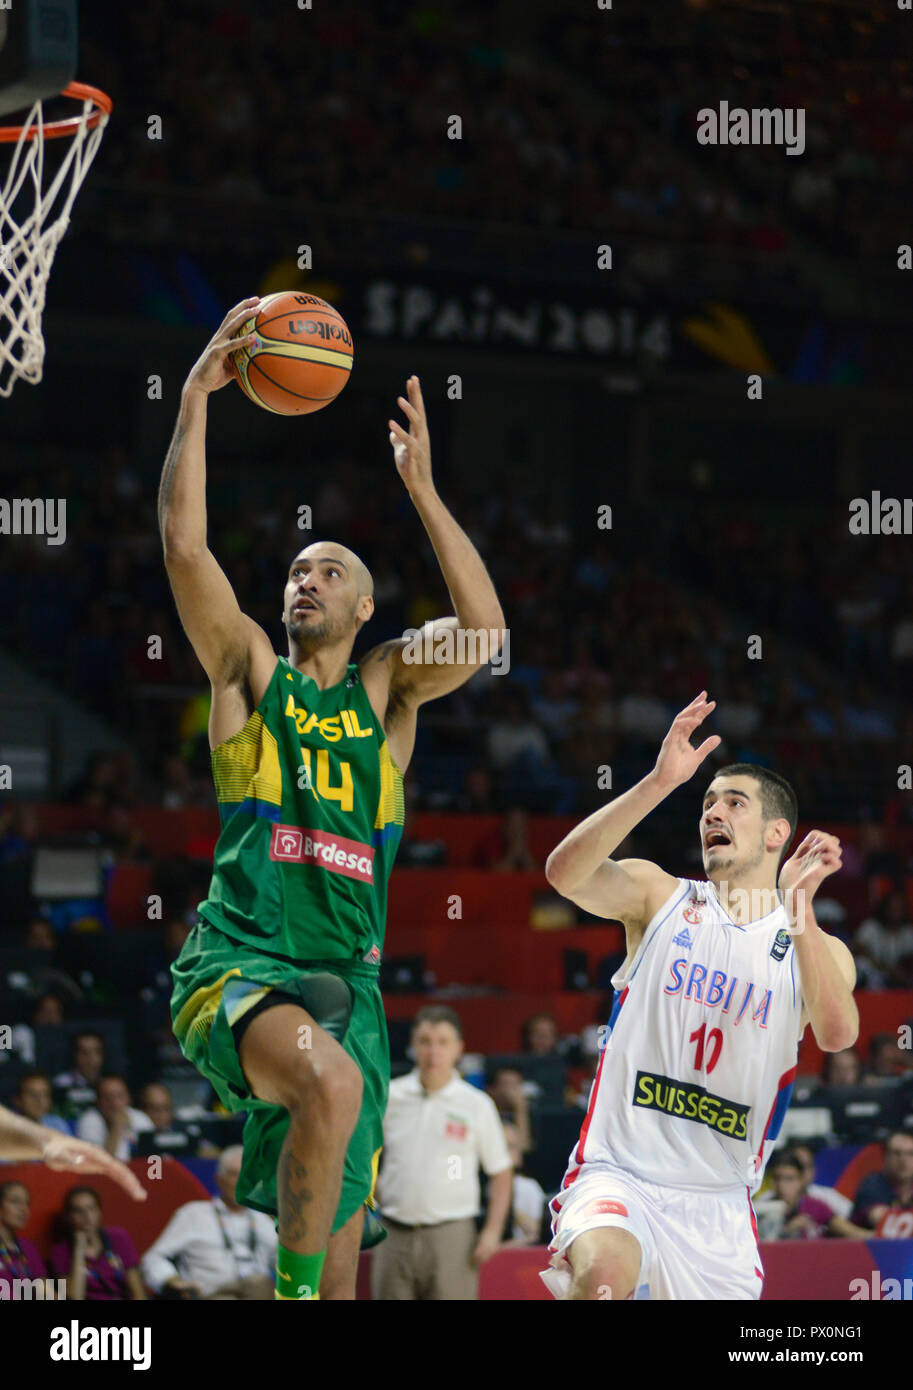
<point>56,130</point>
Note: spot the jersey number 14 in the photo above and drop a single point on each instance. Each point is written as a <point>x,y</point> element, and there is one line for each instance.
<point>319,781</point>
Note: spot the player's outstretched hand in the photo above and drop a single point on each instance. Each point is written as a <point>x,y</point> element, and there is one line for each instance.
<point>412,451</point>
<point>818,856</point>
<point>678,760</point>
<point>67,1155</point>
<point>212,369</point>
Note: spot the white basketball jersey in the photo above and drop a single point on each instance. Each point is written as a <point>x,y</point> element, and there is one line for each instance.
<point>698,1065</point>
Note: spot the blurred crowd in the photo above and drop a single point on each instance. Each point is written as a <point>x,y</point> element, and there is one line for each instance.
<point>582,124</point>
<point>611,633</point>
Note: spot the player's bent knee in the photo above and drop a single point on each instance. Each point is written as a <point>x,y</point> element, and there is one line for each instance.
<point>604,1280</point>
<point>329,1086</point>
<point>605,1265</point>
<point>321,1078</point>
<point>337,1085</point>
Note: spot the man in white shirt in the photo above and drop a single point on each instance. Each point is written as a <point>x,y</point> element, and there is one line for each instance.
<point>214,1249</point>
<point>112,1123</point>
<point>438,1131</point>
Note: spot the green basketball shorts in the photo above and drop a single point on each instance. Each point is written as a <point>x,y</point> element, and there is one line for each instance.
<point>216,980</point>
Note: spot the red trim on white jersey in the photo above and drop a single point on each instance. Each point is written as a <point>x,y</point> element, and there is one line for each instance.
<point>786,1079</point>
<point>754,1231</point>
<point>584,1128</point>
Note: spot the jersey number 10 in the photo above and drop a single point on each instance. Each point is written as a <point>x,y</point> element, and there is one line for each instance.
<point>713,1041</point>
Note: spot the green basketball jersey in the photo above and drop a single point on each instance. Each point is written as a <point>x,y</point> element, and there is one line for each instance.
<point>311,805</point>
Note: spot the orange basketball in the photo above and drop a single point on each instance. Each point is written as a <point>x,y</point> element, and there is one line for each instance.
<point>302,357</point>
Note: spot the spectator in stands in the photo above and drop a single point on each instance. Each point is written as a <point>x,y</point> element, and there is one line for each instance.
<point>892,1188</point>
<point>98,1262</point>
<point>477,796</point>
<point>75,1089</point>
<point>508,1091</point>
<point>842,1068</point>
<point>112,1123</point>
<point>839,1205</point>
<point>528,1199</point>
<point>47,1011</point>
<point>438,1131</point>
<point>555,708</point>
<point>521,756</point>
<point>13,841</point>
<point>883,945</point>
<point>19,830</point>
<point>506,848</point>
<point>124,837</point>
<point>156,1104</point>
<point>882,863</point>
<point>178,789</point>
<point>158,969</point>
<point>541,1036</point>
<point>214,1249</point>
<point>888,1060</point>
<point>581,1097</point>
<point>414,851</point>
<point>33,1100</point>
<point>97,786</point>
<point>792,1214</point>
<point>19,1258</point>
<point>39,935</point>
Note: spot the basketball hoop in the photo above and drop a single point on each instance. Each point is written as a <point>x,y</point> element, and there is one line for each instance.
<point>34,219</point>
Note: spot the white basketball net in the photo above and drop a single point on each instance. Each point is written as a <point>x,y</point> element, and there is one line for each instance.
<point>27,248</point>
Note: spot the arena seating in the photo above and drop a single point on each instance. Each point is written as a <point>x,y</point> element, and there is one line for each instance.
<point>144,1220</point>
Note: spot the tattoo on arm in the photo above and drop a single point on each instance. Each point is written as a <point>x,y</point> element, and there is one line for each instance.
<point>294,1196</point>
<point>167,480</point>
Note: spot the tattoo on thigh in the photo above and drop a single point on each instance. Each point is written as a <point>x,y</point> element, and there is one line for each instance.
<point>294,1196</point>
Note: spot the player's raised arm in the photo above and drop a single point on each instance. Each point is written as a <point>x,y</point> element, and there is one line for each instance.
<point>221,635</point>
<point>827,971</point>
<point>629,890</point>
<point>475,635</point>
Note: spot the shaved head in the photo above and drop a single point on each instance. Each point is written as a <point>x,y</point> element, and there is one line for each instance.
<point>334,550</point>
<point>329,595</point>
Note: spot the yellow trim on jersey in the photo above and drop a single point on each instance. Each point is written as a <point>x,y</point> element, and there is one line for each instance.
<point>247,765</point>
<point>375,1165</point>
<point>238,1008</point>
<point>196,1017</point>
<point>391,804</point>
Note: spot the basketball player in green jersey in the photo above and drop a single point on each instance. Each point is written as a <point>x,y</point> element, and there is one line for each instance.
<point>276,998</point>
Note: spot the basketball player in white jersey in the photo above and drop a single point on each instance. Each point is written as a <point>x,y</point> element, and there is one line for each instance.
<point>720,980</point>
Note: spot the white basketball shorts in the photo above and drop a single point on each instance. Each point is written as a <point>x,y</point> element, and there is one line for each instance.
<point>693,1244</point>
